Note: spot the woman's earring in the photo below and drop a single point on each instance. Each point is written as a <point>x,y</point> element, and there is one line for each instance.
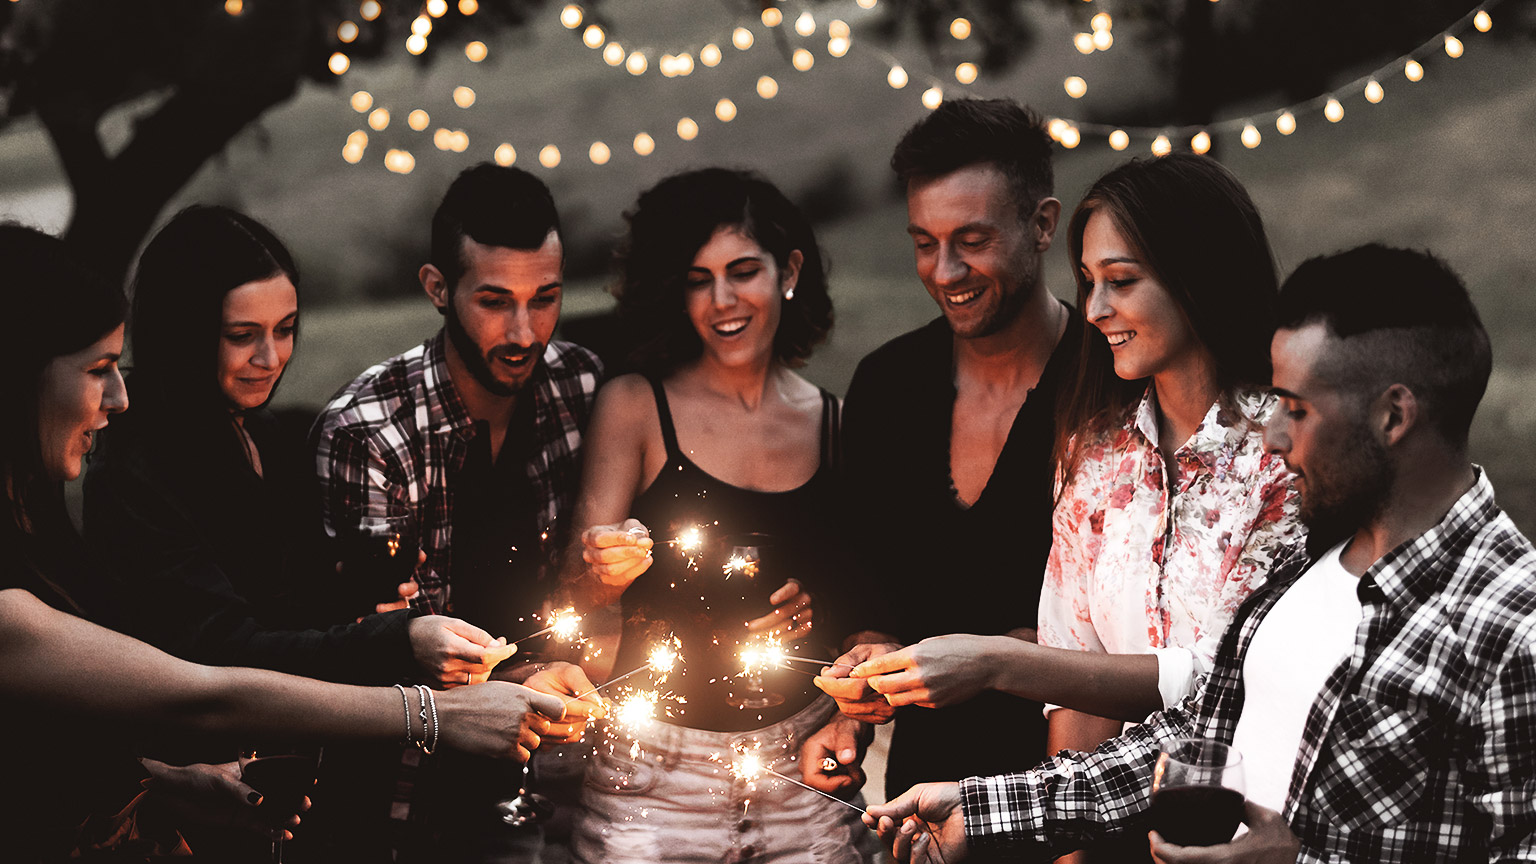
<point>790,294</point>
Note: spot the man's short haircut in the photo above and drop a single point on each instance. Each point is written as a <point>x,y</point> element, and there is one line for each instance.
<point>1402,317</point>
<point>965,132</point>
<point>494,206</point>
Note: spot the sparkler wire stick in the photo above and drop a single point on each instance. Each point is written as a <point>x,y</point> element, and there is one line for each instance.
<point>852,806</point>
<point>610,682</point>
<point>548,629</point>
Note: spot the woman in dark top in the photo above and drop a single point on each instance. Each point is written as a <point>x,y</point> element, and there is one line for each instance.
<point>718,439</point>
<point>75,693</point>
<point>207,507</point>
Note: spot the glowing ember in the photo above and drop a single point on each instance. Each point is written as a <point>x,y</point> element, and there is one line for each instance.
<point>637,709</point>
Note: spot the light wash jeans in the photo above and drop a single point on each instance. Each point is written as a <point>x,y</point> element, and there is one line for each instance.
<point>674,803</point>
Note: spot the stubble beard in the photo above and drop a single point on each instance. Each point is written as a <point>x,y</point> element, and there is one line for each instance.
<point>1355,491</point>
<point>475,361</point>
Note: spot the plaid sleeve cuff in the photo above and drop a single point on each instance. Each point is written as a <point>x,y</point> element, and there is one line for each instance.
<point>997,812</point>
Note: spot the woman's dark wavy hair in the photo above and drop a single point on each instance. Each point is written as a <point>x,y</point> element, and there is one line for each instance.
<point>1200,234</point>
<point>54,306</point>
<point>667,227</point>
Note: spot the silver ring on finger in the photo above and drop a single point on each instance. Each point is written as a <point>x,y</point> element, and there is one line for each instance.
<point>468,677</point>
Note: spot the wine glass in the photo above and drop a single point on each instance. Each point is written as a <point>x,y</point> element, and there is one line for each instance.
<point>283,778</point>
<point>1197,792</point>
<point>381,555</point>
<point>743,561</point>
<point>527,808</point>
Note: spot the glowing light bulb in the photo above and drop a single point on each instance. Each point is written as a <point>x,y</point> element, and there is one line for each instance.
<point>379,119</point>
<point>613,53</point>
<point>593,36</point>
<point>966,73</point>
<point>400,161</point>
<point>352,154</point>
<point>339,63</point>
<point>709,55</point>
<point>358,138</point>
<point>838,46</point>
<point>369,10</point>
<point>1453,47</point>
<point>475,51</point>
<point>802,59</point>
<point>1285,124</point>
<point>418,119</point>
<point>838,28</point>
<point>346,31</point>
<point>767,87</point>
<point>1103,39</point>
<point>1201,143</point>
<point>725,110</point>
<point>1075,87</point>
<point>687,129</point>
<point>960,28</point>
<point>571,16</point>
<point>505,155</point>
<point>1102,21</point>
<point>867,4</point>
<point>437,8</point>
<point>549,157</point>
<point>599,153</point>
<point>805,25</point>
<point>897,77</point>
<point>233,7</point>
<point>684,64</point>
<point>463,97</point>
<point>772,17</point>
<point>1413,71</point>
<point>1070,137</point>
<point>460,141</point>
<point>741,37</point>
<point>1055,128</point>
<point>442,139</point>
<point>667,66</point>
<point>645,145</point>
<point>1083,42</point>
<point>636,63</point>
<point>416,43</point>
<point>469,7</point>
<point>1373,91</point>
<point>1334,111</point>
<point>421,26</point>
<point>1161,146</point>
<point>362,100</point>
<point>1482,21</point>
<point>1251,136</point>
<point>1119,140</point>
<point>933,97</point>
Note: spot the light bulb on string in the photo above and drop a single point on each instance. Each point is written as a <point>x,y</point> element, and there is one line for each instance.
<point>400,161</point>
<point>772,17</point>
<point>593,36</point>
<point>437,8</point>
<point>1373,91</point>
<point>1076,87</point>
<point>725,110</point>
<point>421,26</point>
<point>352,154</point>
<point>1453,46</point>
<point>463,97</point>
<point>358,138</point>
<point>416,43</point>
<point>1251,136</point>
<point>1055,128</point>
<point>442,139</point>
<point>362,100</point>
<point>475,51</point>
<point>667,66</point>
<point>346,31</point>
<point>838,46</point>
<point>418,120</point>
<point>1482,21</point>
<point>549,157</point>
<point>684,63</point>
<point>469,7</point>
<point>805,25</point>
<point>1103,39</point>
<point>505,155</point>
<point>837,28</point>
<point>867,4</point>
<point>369,10</point>
<point>1161,146</point>
<point>378,120</point>
<point>767,87</point>
<point>460,141</point>
<point>613,53</point>
<point>803,59</point>
<point>599,153</point>
<point>687,129</point>
<point>933,97</point>
<point>645,145</point>
<point>709,55</point>
<point>966,73</point>
<point>636,63</point>
<point>1285,124</point>
<point>1119,140</point>
<point>960,28</point>
<point>741,37</point>
<point>339,63</point>
<point>1334,110</point>
<point>1201,143</point>
<point>897,77</point>
<point>1070,137</point>
<point>232,7</point>
<point>1413,71</point>
<point>571,16</point>
<point>1102,21</point>
<point>1083,42</point>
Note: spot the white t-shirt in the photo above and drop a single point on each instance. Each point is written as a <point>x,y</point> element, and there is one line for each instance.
<point>1305,636</point>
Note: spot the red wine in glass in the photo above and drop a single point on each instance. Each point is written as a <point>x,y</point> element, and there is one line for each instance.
<point>1197,792</point>
<point>283,780</point>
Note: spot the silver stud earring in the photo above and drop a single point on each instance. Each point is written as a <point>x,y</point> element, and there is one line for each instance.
<point>790,294</point>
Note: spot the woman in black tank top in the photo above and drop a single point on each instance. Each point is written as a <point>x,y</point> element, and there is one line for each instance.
<point>717,437</point>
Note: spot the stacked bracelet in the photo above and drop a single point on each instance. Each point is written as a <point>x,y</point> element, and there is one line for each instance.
<point>406,702</point>
<point>427,698</point>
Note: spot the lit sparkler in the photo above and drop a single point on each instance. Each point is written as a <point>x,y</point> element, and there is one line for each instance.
<point>662,660</point>
<point>739,564</point>
<point>564,624</point>
<point>637,709</point>
<point>690,543</point>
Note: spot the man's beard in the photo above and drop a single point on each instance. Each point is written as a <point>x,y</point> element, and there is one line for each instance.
<point>478,364</point>
<point>1347,494</point>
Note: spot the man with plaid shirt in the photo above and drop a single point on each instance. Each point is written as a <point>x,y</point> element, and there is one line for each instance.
<point>1396,724</point>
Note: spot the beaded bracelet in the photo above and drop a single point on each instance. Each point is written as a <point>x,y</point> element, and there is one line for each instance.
<point>405,701</point>
<point>426,697</point>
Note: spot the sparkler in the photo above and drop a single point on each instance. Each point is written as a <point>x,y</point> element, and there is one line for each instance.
<point>663,658</point>
<point>564,624</point>
<point>739,564</point>
<point>637,709</point>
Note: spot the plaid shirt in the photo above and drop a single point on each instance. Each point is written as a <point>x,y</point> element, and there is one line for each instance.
<point>1420,747</point>
<point>388,443</point>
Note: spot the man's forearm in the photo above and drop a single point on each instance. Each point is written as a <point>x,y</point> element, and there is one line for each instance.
<point>1119,686</point>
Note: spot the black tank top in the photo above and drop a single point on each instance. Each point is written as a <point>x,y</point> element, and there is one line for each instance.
<point>689,593</point>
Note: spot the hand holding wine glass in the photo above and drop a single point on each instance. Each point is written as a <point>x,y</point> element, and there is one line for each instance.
<point>1197,792</point>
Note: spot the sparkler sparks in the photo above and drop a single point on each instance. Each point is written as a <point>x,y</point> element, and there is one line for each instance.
<point>664,657</point>
<point>637,709</point>
<point>739,564</point>
<point>564,624</point>
<point>759,658</point>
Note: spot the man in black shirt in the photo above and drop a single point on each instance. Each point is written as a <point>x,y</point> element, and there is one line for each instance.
<point>948,434</point>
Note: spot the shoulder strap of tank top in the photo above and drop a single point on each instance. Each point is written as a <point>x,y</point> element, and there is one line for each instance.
<point>831,432</point>
<point>664,412</point>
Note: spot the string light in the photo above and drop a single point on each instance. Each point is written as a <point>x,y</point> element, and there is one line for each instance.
<point>379,119</point>
<point>346,31</point>
<point>422,26</point>
<point>1103,39</point>
<point>549,157</point>
<point>1070,137</point>
<point>400,161</point>
<point>741,37</point>
<point>837,28</point>
<point>1373,92</point>
<point>1453,46</point>
<point>571,16</point>
<point>437,8</point>
<point>1101,21</point>
<point>369,10</point>
<point>897,77</point>
<point>1201,143</point>
<point>1334,110</point>
<point>867,4</point>
<point>933,97</point>
<point>1413,71</point>
<point>599,153</point>
<point>725,110</point>
<point>838,46</point>
<point>475,51</point>
<point>506,154</point>
<point>687,129</point>
<point>803,59</point>
<point>1119,140</point>
<point>805,25</point>
<point>1483,22</point>
<point>613,53</point>
<point>351,154</point>
<point>1055,127</point>
<point>469,7</point>
<point>709,55</point>
<point>1083,42</point>
<point>772,17</point>
<point>418,120</point>
<point>1251,136</point>
<point>960,28</point>
<point>1076,87</point>
<point>636,63</point>
<point>416,44</point>
<point>1285,124</point>
<point>593,36</point>
<point>767,87</point>
<point>1161,146</point>
<point>645,145</point>
<point>362,100</point>
<point>339,63</point>
<point>966,73</point>
<point>358,138</point>
<point>233,7</point>
<point>463,97</point>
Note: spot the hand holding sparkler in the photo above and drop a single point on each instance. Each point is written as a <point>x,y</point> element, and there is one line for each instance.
<point>855,698</point>
<point>663,658</point>
<point>453,652</point>
<point>831,758</point>
<point>936,672</point>
<point>617,554</point>
<point>925,823</point>
<point>568,682</point>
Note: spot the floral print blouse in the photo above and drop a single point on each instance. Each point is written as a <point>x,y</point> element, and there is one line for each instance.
<point>1150,558</point>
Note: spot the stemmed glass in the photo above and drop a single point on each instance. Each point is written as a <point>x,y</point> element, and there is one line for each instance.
<point>283,778</point>
<point>380,556</point>
<point>527,808</point>
<point>1197,792</point>
<point>744,561</point>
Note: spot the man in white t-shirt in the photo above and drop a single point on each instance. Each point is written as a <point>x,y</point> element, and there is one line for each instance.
<point>1382,685</point>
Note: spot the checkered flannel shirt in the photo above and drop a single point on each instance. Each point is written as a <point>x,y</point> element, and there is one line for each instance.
<point>388,442</point>
<point>1420,747</point>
